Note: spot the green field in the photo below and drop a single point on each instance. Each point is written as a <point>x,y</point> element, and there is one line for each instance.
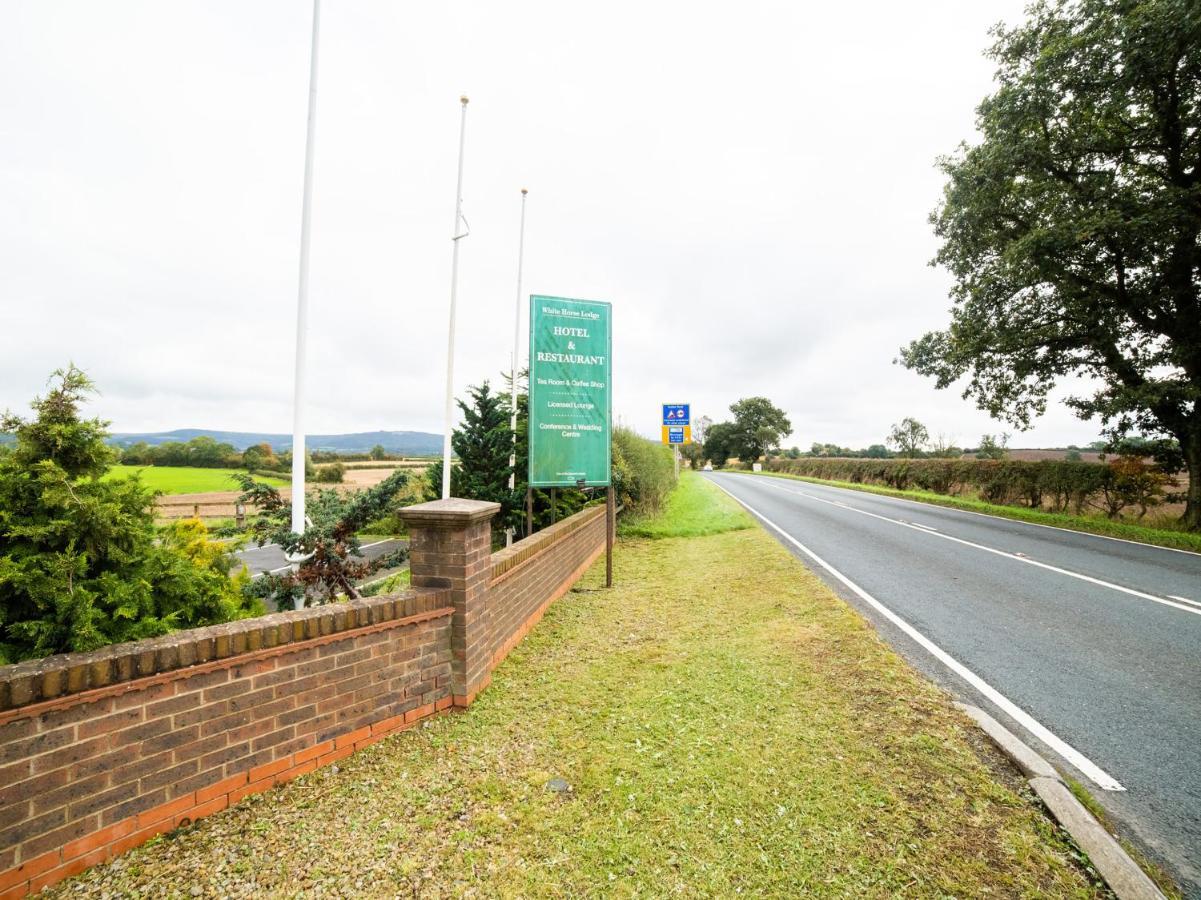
<point>184,480</point>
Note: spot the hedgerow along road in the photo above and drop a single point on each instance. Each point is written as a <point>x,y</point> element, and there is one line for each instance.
<point>1086,647</point>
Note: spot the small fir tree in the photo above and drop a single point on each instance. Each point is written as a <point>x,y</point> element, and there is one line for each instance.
<point>80,566</point>
<point>483,445</point>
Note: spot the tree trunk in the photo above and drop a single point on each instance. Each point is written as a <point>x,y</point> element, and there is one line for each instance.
<point>1192,459</point>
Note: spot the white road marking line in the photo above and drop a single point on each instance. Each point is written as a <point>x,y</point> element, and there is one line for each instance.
<point>971,512</point>
<point>1090,769</point>
<point>1020,557</point>
<point>918,524</point>
<point>271,572</point>
<point>1184,600</point>
<point>255,547</point>
<point>375,544</point>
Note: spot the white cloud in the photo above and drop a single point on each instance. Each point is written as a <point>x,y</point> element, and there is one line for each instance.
<point>747,184</point>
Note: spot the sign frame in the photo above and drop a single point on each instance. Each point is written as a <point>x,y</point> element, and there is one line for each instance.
<point>540,449</point>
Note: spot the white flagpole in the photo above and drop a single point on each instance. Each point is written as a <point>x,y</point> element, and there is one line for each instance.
<point>454,283</point>
<point>302,301</point>
<point>516,356</point>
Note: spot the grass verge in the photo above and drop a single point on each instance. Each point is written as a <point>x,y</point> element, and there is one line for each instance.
<point>1179,540</point>
<point>187,480</point>
<point>724,724</point>
<point>694,509</point>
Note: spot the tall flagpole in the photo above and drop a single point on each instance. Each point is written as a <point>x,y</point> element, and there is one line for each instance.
<point>302,300</point>
<point>454,284</point>
<point>516,356</point>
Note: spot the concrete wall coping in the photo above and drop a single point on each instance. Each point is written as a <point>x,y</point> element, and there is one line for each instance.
<point>452,513</point>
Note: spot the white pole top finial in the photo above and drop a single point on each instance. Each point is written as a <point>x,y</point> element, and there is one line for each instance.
<point>463,99</point>
<point>524,191</point>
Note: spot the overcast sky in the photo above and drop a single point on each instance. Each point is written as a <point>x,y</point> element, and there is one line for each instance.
<point>747,183</point>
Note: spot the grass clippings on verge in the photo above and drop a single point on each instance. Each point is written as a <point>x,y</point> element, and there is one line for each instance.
<point>1160,537</point>
<point>724,724</point>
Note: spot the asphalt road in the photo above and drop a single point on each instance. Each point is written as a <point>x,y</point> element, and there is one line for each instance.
<point>270,557</point>
<point>1089,648</point>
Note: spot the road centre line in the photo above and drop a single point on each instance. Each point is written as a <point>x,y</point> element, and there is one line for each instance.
<point>1090,769</point>
<point>1018,556</point>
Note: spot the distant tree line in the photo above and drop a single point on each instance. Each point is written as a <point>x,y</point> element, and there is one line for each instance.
<point>204,452</point>
<point>907,439</point>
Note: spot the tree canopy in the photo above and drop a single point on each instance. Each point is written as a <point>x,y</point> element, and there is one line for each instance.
<point>1073,228</point>
<point>759,426</point>
<point>909,436</point>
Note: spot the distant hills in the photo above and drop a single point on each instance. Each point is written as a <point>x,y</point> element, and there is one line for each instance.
<point>404,443</point>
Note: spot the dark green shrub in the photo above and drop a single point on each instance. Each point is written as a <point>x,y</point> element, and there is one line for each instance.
<point>333,473</point>
<point>81,565</point>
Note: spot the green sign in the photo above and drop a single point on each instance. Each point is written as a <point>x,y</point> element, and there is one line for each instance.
<point>570,400</point>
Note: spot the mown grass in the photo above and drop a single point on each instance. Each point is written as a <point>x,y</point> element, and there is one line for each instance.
<point>695,508</point>
<point>187,480</point>
<point>726,726</point>
<point>1160,537</point>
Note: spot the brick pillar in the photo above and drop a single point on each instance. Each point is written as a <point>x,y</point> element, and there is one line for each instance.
<point>451,547</point>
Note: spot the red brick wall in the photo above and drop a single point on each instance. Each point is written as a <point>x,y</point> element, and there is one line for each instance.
<point>101,751</point>
<point>533,573</point>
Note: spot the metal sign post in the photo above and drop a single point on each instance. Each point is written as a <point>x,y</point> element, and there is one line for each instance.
<point>610,529</point>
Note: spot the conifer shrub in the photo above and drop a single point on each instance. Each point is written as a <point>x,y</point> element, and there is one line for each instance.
<point>81,565</point>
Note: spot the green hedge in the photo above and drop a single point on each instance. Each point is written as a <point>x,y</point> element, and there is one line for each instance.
<point>1060,485</point>
<point>644,472</point>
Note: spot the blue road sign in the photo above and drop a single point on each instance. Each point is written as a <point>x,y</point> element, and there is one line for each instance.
<point>676,414</point>
<point>675,435</point>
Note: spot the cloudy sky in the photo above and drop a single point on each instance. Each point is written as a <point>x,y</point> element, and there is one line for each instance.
<point>747,183</point>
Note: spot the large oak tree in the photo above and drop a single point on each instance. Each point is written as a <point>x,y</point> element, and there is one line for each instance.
<point>1072,227</point>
